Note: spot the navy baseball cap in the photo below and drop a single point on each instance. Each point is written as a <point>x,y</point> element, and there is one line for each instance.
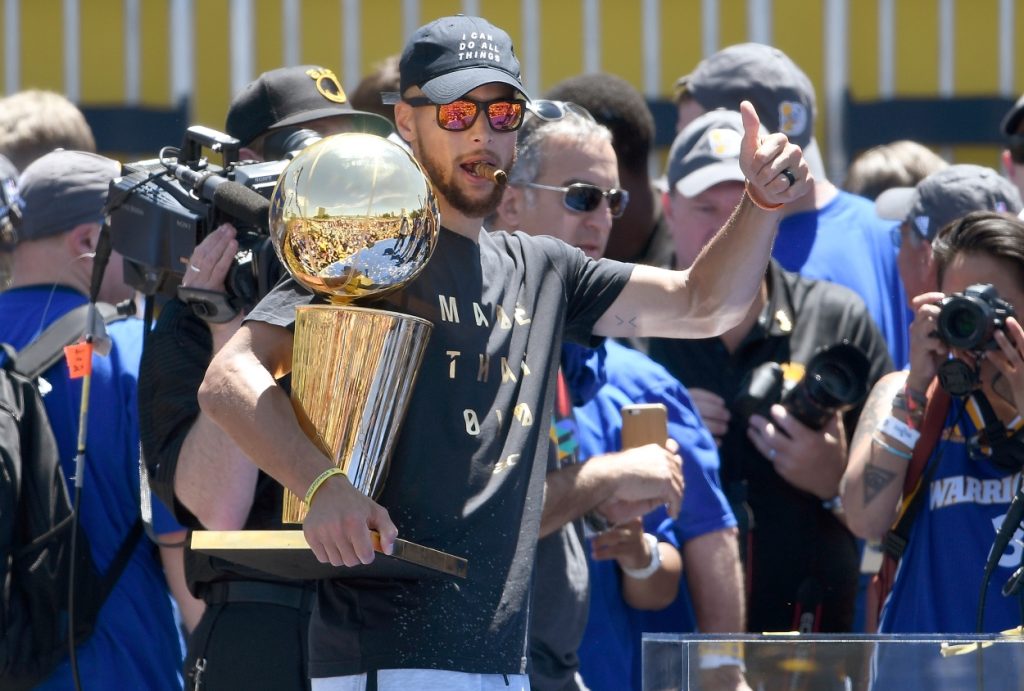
<point>706,152</point>
<point>451,56</point>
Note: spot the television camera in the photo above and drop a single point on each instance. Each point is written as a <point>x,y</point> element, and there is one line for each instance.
<point>160,209</point>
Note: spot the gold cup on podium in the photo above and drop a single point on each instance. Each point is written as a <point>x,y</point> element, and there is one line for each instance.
<point>353,216</point>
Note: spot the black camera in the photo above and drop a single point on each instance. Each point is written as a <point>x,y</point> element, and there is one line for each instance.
<point>835,379</point>
<point>968,320</point>
<point>160,209</point>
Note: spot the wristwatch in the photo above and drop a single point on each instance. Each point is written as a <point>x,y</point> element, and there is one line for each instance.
<point>647,571</point>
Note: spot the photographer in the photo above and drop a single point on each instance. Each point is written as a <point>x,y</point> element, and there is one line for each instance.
<point>973,466</point>
<point>253,633</point>
<point>779,474</point>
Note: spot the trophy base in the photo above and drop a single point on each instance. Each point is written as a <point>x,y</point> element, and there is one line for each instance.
<point>285,553</point>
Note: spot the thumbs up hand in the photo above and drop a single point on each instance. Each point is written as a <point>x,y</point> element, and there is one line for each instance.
<point>775,168</point>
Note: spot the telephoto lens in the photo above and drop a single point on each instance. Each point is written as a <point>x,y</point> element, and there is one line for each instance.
<point>835,380</point>
<point>968,320</point>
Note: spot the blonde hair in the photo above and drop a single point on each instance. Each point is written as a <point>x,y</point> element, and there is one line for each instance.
<point>902,163</point>
<point>35,122</point>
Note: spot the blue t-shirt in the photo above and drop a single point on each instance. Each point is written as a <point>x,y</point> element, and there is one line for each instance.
<point>937,585</point>
<point>847,243</point>
<point>610,651</point>
<point>135,644</point>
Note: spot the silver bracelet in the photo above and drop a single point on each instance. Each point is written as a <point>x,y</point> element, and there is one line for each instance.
<point>647,571</point>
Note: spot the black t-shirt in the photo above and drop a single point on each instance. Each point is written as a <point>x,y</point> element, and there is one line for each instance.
<point>467,474</point>
<point>800,552</point>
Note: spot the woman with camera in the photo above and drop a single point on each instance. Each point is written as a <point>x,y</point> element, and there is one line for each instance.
<point>953,421</point>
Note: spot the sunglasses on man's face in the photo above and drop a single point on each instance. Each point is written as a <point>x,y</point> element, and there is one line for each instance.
<point>582,198</point>
<point>503,114</point>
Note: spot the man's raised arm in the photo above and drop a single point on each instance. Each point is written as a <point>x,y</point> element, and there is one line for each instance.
<point>714,294</point>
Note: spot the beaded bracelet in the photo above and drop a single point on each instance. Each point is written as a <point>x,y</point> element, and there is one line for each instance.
<point>913,417</point>
<point>759,204</point>
<point>320,479</point>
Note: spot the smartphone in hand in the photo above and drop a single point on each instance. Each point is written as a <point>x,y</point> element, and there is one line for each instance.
<point>644,423</point>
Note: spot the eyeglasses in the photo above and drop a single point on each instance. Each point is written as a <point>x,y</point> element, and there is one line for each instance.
<point>581,197</point>
<point>896,235</point>
<point>556,110</point>
<point>503,114</point>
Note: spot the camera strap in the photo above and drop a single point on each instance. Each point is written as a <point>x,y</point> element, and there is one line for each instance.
<point>1003,445</point>
<point>919,474</point>
<point>209,305</point>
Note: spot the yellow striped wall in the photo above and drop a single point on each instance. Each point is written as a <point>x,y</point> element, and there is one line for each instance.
<point>683,31</point>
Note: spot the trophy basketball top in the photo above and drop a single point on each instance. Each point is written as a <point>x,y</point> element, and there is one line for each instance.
<point>353,215</point>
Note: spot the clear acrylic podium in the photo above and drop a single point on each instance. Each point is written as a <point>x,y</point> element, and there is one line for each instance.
<point>819,662</point>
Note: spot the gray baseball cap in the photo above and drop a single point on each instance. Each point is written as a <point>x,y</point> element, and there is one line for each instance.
<point>706,152</point>
<point>781,92</point>
<point>948,194</point>
<point>63,189</point>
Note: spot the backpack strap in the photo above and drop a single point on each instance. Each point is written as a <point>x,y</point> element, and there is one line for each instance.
<point>124,554</point>
<point>913,498</point>
<point>43,352</point>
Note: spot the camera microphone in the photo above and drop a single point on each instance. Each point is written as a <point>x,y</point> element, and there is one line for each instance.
<point>1006,530</point>
<point>238,201</point>
<point>1003,536</point>
<point>235,200</point>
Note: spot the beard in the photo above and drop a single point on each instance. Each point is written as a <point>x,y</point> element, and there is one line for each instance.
<point>445,186</point>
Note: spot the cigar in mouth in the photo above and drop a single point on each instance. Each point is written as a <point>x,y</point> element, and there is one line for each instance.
<point>490,172</point>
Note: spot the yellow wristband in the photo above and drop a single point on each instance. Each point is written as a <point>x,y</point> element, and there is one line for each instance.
<point>320,479</point>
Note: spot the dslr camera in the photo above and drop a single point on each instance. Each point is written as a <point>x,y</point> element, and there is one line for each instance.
<point>969,320</point>
<point>160,209</point>
<point>835,379</point>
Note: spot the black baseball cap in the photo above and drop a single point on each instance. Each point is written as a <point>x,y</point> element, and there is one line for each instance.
<point>292,96</point>
<point>451,56</point>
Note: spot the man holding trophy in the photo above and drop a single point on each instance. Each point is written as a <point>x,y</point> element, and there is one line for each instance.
<point>467,469</point>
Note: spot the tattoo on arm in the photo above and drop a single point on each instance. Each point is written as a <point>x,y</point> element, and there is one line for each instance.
<point>876,479</point>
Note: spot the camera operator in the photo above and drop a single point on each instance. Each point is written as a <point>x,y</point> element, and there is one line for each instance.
<point>973,469</point>
<point>779,474</point>
<point>253,633</point>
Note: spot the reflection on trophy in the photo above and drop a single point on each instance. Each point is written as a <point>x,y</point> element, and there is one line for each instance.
<point>353,216</point>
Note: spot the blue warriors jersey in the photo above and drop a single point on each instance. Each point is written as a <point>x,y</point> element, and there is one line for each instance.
<point>937,584</point>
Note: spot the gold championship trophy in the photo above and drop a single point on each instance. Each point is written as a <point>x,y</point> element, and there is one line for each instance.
<point>352,216</point>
